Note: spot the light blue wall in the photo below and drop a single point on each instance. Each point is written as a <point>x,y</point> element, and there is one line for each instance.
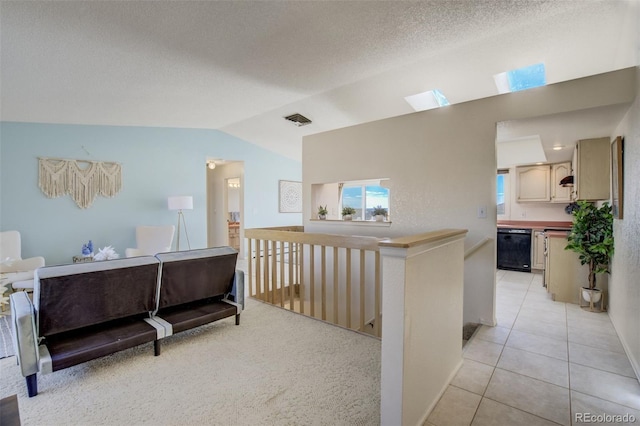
<point>156,163</point>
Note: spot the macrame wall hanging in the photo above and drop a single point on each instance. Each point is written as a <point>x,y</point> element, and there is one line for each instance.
<point>81,179</point>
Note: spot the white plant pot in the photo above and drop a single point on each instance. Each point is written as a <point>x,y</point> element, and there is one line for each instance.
<point>586,294</point>
<point>322,216</point>
<point>346,217</point>
<point>379,218</point>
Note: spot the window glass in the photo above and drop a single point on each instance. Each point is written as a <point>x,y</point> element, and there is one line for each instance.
<point>502,193</point>
<point>375,196</point>
<point>352,197</point>
<point>364,198</point>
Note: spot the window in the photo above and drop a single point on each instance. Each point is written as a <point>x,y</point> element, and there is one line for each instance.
<point>364,197</point>
<point>521,78</point>
<point>502,194</point>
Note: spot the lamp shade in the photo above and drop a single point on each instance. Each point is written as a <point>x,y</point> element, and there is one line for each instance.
<point>182,202</point>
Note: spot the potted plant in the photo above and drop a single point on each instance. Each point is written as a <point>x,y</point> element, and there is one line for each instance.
<point>348,212</point>
<point>592,238</point>
<point>322,212</point>
<point>379,213</point>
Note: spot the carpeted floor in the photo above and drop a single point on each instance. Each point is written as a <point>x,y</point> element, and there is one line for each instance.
<point>275,368</point>
<point>6,342</point>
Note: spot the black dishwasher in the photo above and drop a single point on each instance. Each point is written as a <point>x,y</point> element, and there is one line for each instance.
<point>514,249</point>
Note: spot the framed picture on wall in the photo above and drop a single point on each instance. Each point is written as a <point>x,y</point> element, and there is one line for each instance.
<point>290,196</point>
<point>617,183</point>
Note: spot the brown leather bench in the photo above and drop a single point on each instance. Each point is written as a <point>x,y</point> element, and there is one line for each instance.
<point>88,310</point>
<point>198,287</point>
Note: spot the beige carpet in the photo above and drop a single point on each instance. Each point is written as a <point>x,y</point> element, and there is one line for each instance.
<point>276,368</point>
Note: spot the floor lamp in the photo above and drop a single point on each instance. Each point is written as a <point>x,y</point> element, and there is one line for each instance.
<point>183,202</point>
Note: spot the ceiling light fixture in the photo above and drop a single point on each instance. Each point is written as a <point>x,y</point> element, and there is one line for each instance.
<point>211,165</point>
<point>427,100</point>
<point>558,147</point>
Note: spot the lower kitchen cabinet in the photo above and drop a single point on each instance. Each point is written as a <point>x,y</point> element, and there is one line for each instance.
<point>537,250</point>
<point>564,275</point>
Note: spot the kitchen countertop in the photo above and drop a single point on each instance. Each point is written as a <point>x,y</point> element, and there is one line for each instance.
<point>557,234</point>
<point>536,225</point>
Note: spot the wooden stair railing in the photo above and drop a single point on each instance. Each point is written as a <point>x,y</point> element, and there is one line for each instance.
<point>291,268</point>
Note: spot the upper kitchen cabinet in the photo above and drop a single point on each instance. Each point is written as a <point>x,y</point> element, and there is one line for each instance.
<point>591,160</point>
<point>533,183</point>
<point>559,193</point>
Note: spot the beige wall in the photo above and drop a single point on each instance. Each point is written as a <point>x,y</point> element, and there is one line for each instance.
<point>442,167</point>
<point>624,284</point>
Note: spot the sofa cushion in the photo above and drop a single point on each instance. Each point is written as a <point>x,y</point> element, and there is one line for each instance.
<point>81,345</point>
<point>185,317</point>
<point>195,275</point>
<point>69,297</point>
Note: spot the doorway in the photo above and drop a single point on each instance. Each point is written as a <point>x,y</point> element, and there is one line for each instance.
<point>225,205</point>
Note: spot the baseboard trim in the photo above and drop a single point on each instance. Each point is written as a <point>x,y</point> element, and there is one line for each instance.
<point>634,362</point>
<point>423,419</point>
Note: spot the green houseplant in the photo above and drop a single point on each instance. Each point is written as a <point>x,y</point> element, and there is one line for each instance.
<point>347,212</point>
<point>592,238</point>
<point>322,212</point>
<point>380,213</point>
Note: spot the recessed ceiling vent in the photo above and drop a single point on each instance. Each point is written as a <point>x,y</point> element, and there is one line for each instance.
<point>298,119</point>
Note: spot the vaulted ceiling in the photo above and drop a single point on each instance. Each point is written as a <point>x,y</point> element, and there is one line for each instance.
<point>241,66</point>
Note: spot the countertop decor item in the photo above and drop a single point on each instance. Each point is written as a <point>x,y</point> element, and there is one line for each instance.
<point>107,253</point>
<point>379,213</point>
<point>87,249</point>
<point>348,212</point>
<point>322,212</point>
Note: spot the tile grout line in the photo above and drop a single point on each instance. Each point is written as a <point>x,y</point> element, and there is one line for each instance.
<point>498,360</point>
<point>496,367</point>
<point>566,321</point>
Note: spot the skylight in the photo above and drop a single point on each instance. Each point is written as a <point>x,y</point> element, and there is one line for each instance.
<point>521,78</point>
<point>427,100</point>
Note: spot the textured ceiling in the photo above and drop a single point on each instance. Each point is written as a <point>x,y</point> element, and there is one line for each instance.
<point>241,66</point>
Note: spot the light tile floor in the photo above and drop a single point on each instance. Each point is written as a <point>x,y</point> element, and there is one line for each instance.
<point>543,364</point>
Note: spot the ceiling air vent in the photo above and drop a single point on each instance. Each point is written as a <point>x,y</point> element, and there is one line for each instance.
<point>298,119</point>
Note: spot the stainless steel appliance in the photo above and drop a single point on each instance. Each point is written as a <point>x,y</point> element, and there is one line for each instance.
<point>514,249</point>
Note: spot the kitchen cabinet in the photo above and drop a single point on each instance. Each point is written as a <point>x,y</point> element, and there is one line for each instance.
<point>537,250</point>
<point>560,194</point>
<point>591,163</point>
<point>532,183</point>
<point>563,271</point>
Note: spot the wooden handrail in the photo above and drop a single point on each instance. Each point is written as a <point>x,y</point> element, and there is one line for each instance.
<point>420,239</point>
<point>328,240</point>
<point>477,246</point>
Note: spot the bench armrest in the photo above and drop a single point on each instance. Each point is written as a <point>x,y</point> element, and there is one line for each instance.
<point>25,339</point>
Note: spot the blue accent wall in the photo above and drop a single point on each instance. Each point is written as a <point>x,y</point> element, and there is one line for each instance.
<point>156,163</point>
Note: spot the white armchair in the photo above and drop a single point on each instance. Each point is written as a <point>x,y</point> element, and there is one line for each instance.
<point>152,240</point>
<point>15,270</point>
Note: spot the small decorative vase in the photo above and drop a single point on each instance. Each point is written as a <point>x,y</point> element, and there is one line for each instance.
<point>322,216</point>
